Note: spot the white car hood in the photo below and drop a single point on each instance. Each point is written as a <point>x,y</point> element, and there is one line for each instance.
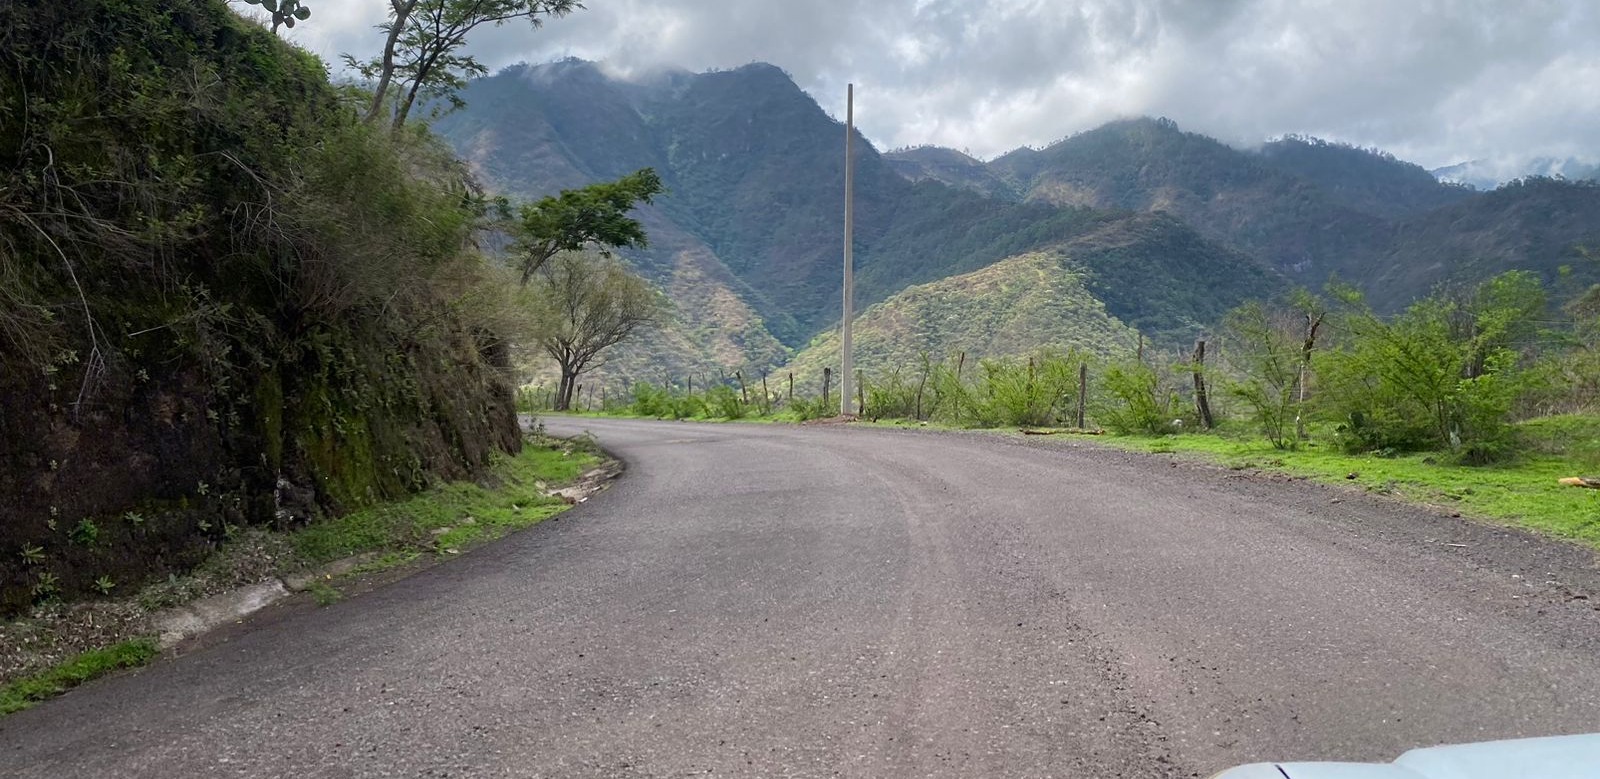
<point>1555,757</point>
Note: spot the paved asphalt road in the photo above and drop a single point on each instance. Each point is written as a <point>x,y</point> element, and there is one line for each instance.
<point>784,601</point>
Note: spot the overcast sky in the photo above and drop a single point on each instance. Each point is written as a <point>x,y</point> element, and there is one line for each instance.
<point>1433,81</point>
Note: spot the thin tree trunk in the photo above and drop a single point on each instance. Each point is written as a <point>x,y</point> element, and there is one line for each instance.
<point>1201,403</point>
<point>922,383</point>
<point>1305,368</point>
<point>1083,391</point>
<point>402,14</point>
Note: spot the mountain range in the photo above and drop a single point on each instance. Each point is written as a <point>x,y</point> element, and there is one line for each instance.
<point>1487,174</point>
<point>1159,229</point>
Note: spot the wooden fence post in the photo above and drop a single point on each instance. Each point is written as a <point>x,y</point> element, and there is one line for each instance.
<point>1201,403</point>
<point>1083,390</point>
<point>791,387</point>
<point>766,397</point>
<point>861,395</point>
<point>744,394</point>
<point>827,379</point>
<point>921,383</point>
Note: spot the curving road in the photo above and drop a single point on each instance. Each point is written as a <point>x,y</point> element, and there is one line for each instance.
<point>825,601</point>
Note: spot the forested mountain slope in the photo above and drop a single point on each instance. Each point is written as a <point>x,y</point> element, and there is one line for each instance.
<point>753,212</point>
<point>754,172</point>
<point>1314,209</point>
<point>1020,305</point>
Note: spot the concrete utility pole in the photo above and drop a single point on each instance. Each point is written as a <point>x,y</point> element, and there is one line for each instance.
<point>846,351</point>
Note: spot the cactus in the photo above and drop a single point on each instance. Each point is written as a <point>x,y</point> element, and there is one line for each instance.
<point>284,12</point>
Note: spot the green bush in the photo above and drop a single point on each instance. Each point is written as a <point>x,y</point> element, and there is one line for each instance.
<point>1268,358</point>
<point>1445,374</point>
<point>803,408</point>
<point>652,401</point>
<point>890,396</point>
<point>1134,400</point>
<point>1040,390</point>
<point>722,401</point>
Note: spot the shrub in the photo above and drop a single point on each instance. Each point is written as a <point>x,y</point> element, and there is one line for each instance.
<point>1270,357</point>
<point>722,401</point>
<point>813,408</point>
<point>891,396</point>
<point>1134,400</point>
<point>652,401</point>
<point>1445,374</point>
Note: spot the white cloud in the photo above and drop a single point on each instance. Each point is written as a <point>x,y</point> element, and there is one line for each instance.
<point>1436,82</point>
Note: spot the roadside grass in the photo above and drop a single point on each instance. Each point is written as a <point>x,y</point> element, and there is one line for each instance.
<point>444,520</point>
<point>30,690</point>
<point>454,516</point>
<point>1521,492</point>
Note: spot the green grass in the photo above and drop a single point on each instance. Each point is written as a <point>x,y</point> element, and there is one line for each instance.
<point>1523,492</point>
<point>324,593</point>
<point>510,498</point>
<point>29,690</point>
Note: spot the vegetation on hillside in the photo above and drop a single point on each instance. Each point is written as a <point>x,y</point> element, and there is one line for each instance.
<point>753,173</point>
<point>228,300</point>
<point>1316,209</point>
<point>1010,309</point>
<point>951,167</point>
<point>1366,180</point>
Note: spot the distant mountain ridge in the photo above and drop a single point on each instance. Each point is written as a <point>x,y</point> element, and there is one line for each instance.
<point>1167,228</point>
<point>1310,208</point>
<point>1486,175</point>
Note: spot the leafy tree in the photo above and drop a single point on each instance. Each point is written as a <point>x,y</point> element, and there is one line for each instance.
<point>423,48</point>
<point>284,12</point>
<point>1268,355</point>
<point>1444,374</point>
<point>576,218</point>
<point>589,303</point>
<point>1271,348</point>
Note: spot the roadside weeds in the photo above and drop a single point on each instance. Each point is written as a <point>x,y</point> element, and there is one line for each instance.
<point>60,646</point>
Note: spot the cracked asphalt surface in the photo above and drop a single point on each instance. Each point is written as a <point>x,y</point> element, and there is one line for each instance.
<point>761,600</point>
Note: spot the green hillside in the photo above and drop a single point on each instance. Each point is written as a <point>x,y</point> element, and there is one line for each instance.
<point>1016,306</point>
<point>1172,228</point>
<point>532,132</point>
<point>952,167</point>
<point>1228,195</point>
<point>1315,209</point>
<point>1366,180</point>
<point>1533,224</point>
<point>755,177</point>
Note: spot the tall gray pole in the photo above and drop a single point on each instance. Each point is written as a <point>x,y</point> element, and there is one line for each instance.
<point>847,372</point>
